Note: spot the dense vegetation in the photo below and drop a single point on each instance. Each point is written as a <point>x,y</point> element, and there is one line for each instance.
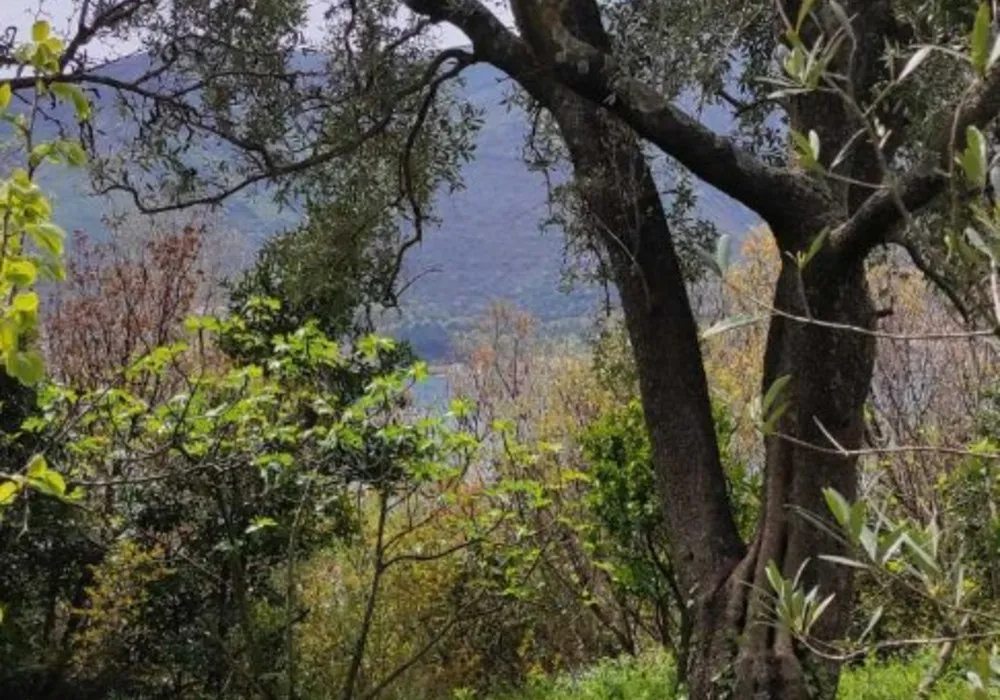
<point>764,472</point>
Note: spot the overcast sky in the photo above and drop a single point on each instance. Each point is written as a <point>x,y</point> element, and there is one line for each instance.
<point>21,13</point>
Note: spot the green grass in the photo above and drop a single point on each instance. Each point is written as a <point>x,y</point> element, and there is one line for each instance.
<point>651,677</point>
<point>616,679</point>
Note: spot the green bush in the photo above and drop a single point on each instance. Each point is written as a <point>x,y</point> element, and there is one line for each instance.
<point>898,680</point>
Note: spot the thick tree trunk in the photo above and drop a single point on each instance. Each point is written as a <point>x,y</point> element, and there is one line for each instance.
<point>734,654</point>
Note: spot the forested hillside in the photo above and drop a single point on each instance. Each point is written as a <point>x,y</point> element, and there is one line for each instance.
<point>494,240</point>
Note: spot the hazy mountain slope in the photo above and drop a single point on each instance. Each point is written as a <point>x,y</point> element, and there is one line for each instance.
<point>488,246</point>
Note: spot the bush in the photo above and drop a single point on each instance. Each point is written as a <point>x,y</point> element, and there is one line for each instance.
<point>897,680</point>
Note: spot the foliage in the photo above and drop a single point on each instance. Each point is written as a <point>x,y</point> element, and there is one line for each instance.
<point>226,484</point>
<point>892,679</point>
<point>642,678</point>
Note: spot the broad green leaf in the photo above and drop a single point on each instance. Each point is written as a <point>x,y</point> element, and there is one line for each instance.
<point>856,527</point>
<point>980,39</point>
<point>25,366</point>
<point>40,153</point>
<point>8,492</point>
<point>8,335</point>
<point>73,152</point>
<point>26,302</point>
<point>47,236</point>
<point>40,31</point>
<point>44,479</point>
<point>5,95</point>
<point>20,272</point>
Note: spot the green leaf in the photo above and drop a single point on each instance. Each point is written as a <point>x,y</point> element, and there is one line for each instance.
<point>73,152</point>
<point>807,149</point>
<point>73,93</point>
<point>47,236</point>
<point>838,506</point>
<point>994,54</point>
<point>980,39</point>
<point>8,492</point>
<point>40,153</point>
<point>26,303</point>
<point>44,479</point>
<point>820,609</point>
<point>857,530</point>
<point>876,616</point>
<point>8,335</point>
<point>774,577</point>
<point>20,272</point>
<point>974,157</point>
<point>814,248</point>
<point>260,524</point>
<point>5,95</point>
<point>804,9</point>
<point>773,392</point>
<point>925,562</point>
<point>27,367</point>
<point>40,31</point>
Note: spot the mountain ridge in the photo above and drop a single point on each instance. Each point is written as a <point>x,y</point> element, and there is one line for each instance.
<point>490,243</point>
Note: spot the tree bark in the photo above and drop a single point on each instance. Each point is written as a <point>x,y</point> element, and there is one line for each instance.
<point>735,655</point>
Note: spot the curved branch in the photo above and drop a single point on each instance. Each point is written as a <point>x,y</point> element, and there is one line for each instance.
<point>883,212</point>
<point>779,195</point>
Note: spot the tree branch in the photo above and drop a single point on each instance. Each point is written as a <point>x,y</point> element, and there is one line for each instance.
<point>876,220</point>
<point>780,196</point>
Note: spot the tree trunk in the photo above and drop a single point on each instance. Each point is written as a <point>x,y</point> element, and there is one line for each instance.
<point>734,654</point>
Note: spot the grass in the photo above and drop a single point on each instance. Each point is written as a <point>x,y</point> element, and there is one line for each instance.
<point>651,677</point>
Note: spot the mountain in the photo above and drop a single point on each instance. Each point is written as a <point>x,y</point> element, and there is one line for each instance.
<point>490,244</point>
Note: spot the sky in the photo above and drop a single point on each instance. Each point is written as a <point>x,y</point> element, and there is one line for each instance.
<point>21,14</point>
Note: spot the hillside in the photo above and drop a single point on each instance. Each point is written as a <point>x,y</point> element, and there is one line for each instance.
<point>490,243</point>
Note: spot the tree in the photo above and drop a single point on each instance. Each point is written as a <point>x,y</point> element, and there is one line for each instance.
<point>875,136</point>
